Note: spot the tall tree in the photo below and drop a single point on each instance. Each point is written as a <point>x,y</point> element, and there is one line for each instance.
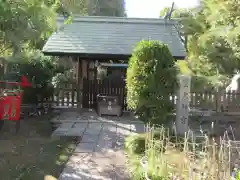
<point>213,38</point>
<point>106,8</point>
<point>78,7</point>
<point>25,22</point>
<point>217,42</point>
<point>95,7</point>
<point>184,23</point>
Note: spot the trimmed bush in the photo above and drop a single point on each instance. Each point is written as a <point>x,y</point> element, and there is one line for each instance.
<point>151,78</point>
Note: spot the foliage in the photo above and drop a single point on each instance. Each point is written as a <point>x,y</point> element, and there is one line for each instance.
<point>25,25</point>
<point>101,72</point>
<point>236,174</point>
<point>75,7</point>
<point>40,71</point>
<point>64,77</point>
<point>94,7</point>
<point>183,67</point>
<point>135,144</point>
<point>106,8</point>
<point>182,15</point>
<point>25,22</point>
<point>212,31</point>
<point>173,160</point>
<point>151,77</point>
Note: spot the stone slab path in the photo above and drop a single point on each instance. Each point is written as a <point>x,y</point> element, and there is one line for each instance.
<point>100,154</point>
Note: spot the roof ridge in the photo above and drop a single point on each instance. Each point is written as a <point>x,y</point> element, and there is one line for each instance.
<point>109,19</point>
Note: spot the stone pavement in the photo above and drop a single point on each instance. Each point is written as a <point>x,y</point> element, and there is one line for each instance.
<point>100,154</point>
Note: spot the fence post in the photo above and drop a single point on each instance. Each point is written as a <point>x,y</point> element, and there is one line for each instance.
<point>183,104</point>
<point>218,101</point>
<point>85,92</point>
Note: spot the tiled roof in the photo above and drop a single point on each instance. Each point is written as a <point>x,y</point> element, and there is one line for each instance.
<point>112,35</point>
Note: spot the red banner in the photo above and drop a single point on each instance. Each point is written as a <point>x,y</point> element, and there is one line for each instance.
<point>10,107</point>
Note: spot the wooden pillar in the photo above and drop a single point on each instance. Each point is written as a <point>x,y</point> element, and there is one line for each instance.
<point>95,71</point>
<point>84,68</point>
<point>79,82</point>
<point>79,74</point>
<point>88,70</point>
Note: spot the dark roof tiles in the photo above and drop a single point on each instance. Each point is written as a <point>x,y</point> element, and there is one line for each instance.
<point>112,35</point>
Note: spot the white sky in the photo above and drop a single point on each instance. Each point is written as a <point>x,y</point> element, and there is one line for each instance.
<point>152,8</point>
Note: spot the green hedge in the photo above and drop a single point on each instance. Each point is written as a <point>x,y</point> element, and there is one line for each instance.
<point>151,78</point>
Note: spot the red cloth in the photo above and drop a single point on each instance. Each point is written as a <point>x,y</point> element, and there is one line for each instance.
<point>10,104</point>
<point>25,82</point>
<point>10,107</point>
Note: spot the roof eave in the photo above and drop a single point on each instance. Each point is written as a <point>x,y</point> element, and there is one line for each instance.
<point>109,19</point>
<point>86,56</point>
<point>98,56</point>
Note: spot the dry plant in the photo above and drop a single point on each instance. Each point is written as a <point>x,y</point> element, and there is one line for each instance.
<point>188,158</point>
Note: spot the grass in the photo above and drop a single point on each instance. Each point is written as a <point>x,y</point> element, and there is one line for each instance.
<point>169,157</point>
<point>32,153</point>
<point>135,147</point>
<point>136,170</point>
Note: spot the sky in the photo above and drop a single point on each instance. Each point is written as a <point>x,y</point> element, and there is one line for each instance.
<point>152,8</point>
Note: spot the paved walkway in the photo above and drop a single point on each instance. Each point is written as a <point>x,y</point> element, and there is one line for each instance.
<point>99,155</point>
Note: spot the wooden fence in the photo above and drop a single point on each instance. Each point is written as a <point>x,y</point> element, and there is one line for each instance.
<point>70,97</point>
<point>204,101</point>
<point>213,101</point>
<point>63,97</point>
<point>91,88</point>
<point>67,97</point>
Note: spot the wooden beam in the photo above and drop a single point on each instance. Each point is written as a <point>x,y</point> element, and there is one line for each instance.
<point>78,71</point>
<point>79,82</point>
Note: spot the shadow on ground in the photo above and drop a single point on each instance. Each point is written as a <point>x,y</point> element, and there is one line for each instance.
<point>100,154</point>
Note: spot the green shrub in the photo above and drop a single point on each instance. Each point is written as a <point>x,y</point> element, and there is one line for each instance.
<point>39,70</point>
<point>135,147</point>
<point>135,144</point>
<point>151,78</point>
